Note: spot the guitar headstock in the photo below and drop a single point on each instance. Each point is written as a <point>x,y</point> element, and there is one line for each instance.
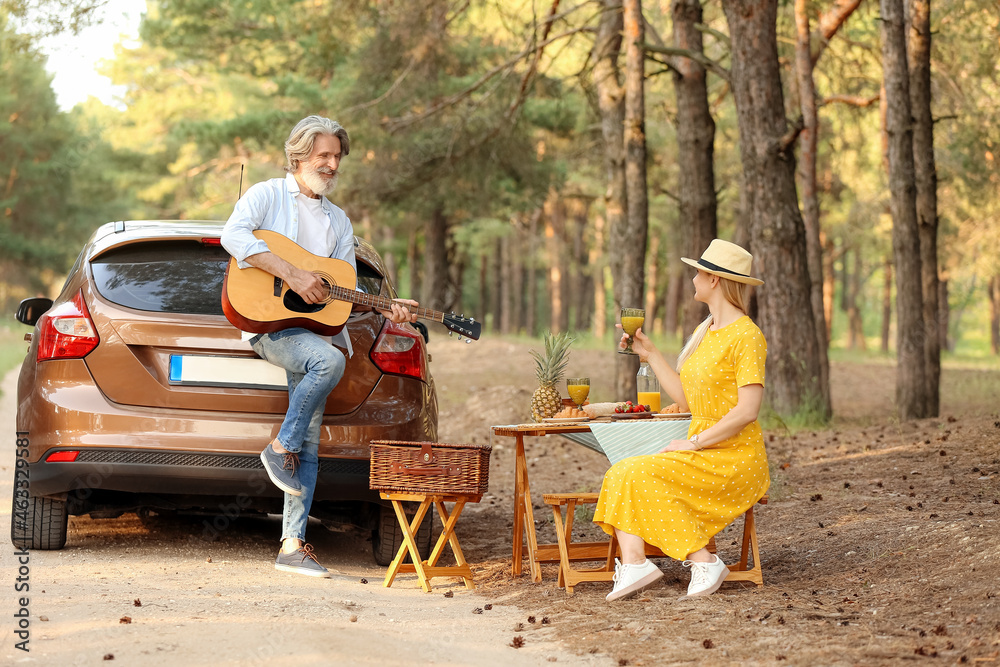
<point>463,326</point>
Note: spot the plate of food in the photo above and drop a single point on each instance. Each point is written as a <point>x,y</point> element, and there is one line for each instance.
<point>565,420</point>
<point>672,415</point>
<point>632,415</point>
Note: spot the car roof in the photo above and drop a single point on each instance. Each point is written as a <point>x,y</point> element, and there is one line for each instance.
<point>114,234</point>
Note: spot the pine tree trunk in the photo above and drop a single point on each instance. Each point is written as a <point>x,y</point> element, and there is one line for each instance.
<point>579,271</point>
<point>414,266</point>
<point>611,104</point>
<point>650,301</point>
<point>828,286</point>
<point>672,300</point>
<point>484,291</point>
<point>994,290</point>
<point>435,287</point>
<point>554,216</point>
<point>944,317</point>
<point>497,264</point>
<point>911,378</point>
<point>776,229</point>
<point>926,179</point>
<point>631,278</point>
<point>695,150</point>
<point>531,280</point>
<point>855,325</point>
<point>886,305</point>
<point>810,202</point>
<point>597,264</point>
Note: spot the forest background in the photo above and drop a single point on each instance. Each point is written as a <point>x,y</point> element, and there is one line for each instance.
<point>531,162</point>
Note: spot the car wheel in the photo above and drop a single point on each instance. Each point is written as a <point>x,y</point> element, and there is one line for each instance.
<point>388,536</point>
<point>39,523</point>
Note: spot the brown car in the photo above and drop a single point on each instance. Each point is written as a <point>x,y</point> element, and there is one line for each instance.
<point>138,395</point>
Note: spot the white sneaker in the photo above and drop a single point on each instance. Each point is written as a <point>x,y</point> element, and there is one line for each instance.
<point>630,579</point>
<point>706,577</point>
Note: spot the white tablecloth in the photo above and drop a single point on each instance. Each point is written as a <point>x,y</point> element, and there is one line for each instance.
<point>620,440</point>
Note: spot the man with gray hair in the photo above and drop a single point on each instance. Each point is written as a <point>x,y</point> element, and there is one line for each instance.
<point>296,206</point>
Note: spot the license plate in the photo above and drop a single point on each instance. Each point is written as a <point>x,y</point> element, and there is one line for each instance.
<point>213,371</point>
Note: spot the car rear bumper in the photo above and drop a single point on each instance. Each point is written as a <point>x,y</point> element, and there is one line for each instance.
<point>187,473</point>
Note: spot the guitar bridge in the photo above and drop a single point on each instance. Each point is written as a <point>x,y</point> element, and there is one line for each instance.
<point>277,286</point>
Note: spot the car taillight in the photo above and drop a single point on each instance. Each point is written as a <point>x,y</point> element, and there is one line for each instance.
<point>211,241</point>
<point>399,350</point>
<point>66,331</point>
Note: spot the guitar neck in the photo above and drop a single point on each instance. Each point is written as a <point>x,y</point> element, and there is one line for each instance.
<point>382,303</point>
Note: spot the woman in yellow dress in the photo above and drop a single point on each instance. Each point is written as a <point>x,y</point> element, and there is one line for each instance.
<point>678,499</point>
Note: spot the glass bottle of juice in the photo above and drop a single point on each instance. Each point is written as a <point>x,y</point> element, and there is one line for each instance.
<point>648,387</point>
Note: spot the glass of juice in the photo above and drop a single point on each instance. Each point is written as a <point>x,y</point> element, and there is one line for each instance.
<point>650,398</point>
<point>632,319</point>
<point>579,390</point>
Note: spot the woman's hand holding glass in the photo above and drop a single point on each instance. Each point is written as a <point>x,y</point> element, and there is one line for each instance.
<point>641,345</point>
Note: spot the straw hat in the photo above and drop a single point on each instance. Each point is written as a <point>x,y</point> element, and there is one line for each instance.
<point>726,260</point>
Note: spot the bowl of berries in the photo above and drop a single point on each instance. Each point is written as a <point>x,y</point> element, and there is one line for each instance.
<point>627,410</point>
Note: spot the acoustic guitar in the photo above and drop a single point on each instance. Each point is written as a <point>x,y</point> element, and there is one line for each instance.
<point>256,301</point>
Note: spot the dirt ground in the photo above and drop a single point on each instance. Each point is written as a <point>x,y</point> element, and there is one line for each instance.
<point>880,545</point>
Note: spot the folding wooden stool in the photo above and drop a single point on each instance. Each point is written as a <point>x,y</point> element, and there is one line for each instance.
<point>428,569</point>
<point>570,552</point>
<point>429,473</point>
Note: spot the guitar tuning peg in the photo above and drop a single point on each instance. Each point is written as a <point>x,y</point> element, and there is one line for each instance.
<point>460,338</point>
<point>449,333</point>
<point>468,341</point>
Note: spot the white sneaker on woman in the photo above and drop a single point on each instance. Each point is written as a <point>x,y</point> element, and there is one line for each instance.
<point>706,577</point>
<point>630,579</point>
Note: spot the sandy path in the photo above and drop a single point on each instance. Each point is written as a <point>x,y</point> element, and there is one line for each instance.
<point>222,603</point>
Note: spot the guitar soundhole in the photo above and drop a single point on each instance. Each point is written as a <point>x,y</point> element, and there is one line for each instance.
<point>294,303</point>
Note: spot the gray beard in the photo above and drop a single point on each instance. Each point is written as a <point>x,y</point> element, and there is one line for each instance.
<point>319,185</point>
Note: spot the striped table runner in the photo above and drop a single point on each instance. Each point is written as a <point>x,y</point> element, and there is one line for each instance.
<point>620,440</point>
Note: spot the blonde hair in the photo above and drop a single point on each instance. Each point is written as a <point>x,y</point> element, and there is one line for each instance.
<point>735,293</point>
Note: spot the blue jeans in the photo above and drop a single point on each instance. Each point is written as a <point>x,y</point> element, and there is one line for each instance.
<point>313,368</point>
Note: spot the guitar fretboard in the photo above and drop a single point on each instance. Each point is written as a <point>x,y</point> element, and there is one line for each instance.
<point>380,302</point>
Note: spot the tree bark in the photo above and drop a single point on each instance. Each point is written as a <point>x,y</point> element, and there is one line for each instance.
<point>994,290</point>
<point>911,376</point>
<point>698,204</point>
<point>945,315</point>
<point>484,291</point>
<point>555,215</point>
<point>855,325</point>
<point>650,302</point>
<point>886,305</point>
<point>672,300</point>
<point>810,201</point>
<point>531,280</point>
<point>611,104</point>
<point>435,285</point>
<point>919,51</point>
<point>413,265</point>
<point>828,285</point>
<point>631,277</point>
<point>498,266</point>
<point>600,290</point>
<point>776,229</point>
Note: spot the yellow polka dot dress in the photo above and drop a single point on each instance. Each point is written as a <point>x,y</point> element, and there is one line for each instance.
<point>678,500</point>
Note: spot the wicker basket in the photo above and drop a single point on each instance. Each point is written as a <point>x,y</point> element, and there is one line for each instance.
<point>429,467</point>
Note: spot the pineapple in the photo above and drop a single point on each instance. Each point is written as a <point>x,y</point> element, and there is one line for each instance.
<point>546,400</point>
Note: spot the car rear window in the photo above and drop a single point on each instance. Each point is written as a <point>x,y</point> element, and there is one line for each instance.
<point>177,277</point>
